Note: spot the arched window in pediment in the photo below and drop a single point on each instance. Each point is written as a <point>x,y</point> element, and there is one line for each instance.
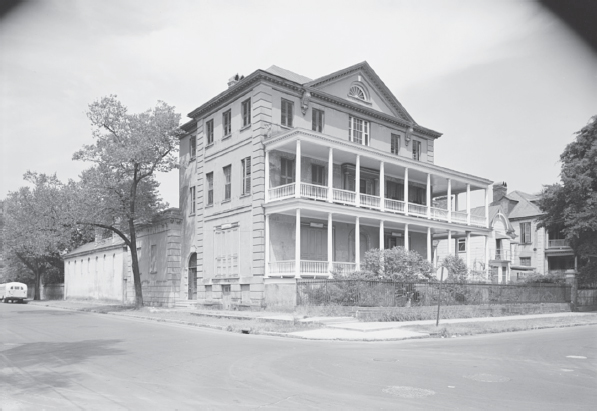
<point>357,92</point>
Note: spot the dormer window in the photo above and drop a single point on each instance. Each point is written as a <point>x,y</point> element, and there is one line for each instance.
<point>357,92</point>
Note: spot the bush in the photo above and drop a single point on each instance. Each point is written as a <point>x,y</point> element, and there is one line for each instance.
<point>550,278</point>
<point>396,264</point>
<point>457,269</point>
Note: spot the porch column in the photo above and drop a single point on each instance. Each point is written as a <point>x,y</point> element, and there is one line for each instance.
<point>381,235</point>
<point>266,182</point>
<point>468,205</point>
<point>406,242</point>
<point>357,182</point>
<point>382,187</point>
<point>357,244</point>
<point>449,200</point>
<point>428,199</point>
<point>297,171</point>
<point>330,175</point>
<point>297,246</point>
<point>429,245</point>
<point>487,256</point>
<point>468,250</point>
<point>266,248</point>
<point>330,245</point>
<point>449,242</point>
<point>487,207</point>
<point>406,191</point>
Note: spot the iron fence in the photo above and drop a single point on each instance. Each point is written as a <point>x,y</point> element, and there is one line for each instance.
<point>363,293</point>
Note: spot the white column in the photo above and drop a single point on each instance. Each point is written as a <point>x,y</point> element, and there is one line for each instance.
<point>266,182</point>
<point>382,187</point>
<point>330,245</point>
<point>487,256</point>
<point>330,175</point>
<point>297,248</point>
<point>381,235</point>
<point>297,172</point>
<point>428,195</point>
<point>468,204</point>
<point>357,181</point>
<point>468,250</point>
<point>449,200</point>
<point>429,244</point>
<point>406,191</point>
<point>266,246</point>
<point>406,242</point>
<point>449,242</point>
<point>357,244</point>
<point>487,206</point>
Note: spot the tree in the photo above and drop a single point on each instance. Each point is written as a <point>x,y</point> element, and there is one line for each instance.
<point>120,190</point>
<point>457,269</point>
<point>571,206</point>
<point>35,233</point>
<point>396,264</point>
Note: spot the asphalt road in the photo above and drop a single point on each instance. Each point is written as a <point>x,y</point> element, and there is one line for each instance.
<point>57,359</point>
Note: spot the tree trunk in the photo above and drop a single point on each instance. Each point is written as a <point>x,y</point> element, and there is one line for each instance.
<point>37,293</point>
<point>135,266</point>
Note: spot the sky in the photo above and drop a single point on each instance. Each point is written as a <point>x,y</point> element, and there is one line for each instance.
<point>506,82</point>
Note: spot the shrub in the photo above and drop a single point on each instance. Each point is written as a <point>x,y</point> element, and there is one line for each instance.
<point>396,264</point>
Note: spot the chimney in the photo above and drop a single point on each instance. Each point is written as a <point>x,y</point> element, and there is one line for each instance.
<point>234,79</point>
<point>499,191</point>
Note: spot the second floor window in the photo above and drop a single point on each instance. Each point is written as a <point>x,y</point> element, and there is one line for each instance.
<point>317,174</point>
<point>227,183</point>
<point>416,150</point>
<point>461,244</point>
<point>394,143</point>
<point>525,233</point>
<point>209,177</point>
<point>209,132</point>
<point>358,131</point>
<point>227,122</point>
<point>317,120</point>
<point>246,111</point>
<point>246,177</point>
<point>193,147</point>
<point>287,113</point>
<point>192,200</point>
<point>286,171</point>
<point>526,261</point>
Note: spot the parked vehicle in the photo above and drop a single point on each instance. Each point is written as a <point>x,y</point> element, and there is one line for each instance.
<point>10,292</point>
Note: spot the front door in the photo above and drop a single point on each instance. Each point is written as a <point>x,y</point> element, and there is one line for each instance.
<point>226,299</point>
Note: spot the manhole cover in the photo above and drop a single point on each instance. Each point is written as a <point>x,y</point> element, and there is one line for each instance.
<point>487,378</point>
<point>408,392</point>
<point>385,359</point>
<point>579,357</point>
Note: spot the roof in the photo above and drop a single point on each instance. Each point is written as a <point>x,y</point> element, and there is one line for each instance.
<point>493,212</point>
<point>287,74</point>
<point>105,244</point>
<point>525,207</point>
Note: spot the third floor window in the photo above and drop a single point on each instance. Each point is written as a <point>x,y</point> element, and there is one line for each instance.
<point>416,150</point>
<point>358,130</point>
<point>246,177</point>
<point>317,120</point>
<point>227,122</point>
<point>395,143</point>
<point>246,111</point>
<point>227,183</point>
<point>209,132</point>
<point>287,113</point>
<point>209,177</point>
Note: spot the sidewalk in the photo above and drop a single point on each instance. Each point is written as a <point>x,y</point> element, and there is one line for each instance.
<point>331,328</point>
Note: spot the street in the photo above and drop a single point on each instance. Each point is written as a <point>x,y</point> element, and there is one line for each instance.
<point>58,359</point>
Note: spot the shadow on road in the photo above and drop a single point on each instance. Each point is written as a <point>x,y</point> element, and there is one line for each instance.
<point>45,312</point>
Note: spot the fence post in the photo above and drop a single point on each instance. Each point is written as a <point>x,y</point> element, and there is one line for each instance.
<point>572,281</point>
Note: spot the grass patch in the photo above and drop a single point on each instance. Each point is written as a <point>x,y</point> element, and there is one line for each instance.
<point>489,327</point>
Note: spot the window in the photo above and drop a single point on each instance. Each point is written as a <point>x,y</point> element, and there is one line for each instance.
<point>287,113</point>
<point>416,150</point>
<point>317,120</point>
<point>226,246</point>
<point>395,144</point>
<point>358,130</point>
<point>153,257</point>
<point>192,200</point>
<point>209,132</point>
<point>394,191</point>
<point>246,111</point>
<point>525,233</point>
<point>227,122</point>
<point>209,177</point>
<point>246,169</point>
<point>357,92</point>
<point>287,171</point>
<point>227,183</point>
<point>526,261</point>
<point>193,147</point>
<point>416,195</point>
<point>461,244</point>
<point>317,174</point>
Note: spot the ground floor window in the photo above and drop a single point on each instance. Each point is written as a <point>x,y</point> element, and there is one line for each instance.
<point>226,247</point>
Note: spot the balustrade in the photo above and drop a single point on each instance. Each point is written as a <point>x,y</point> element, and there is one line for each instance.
<point>314,191</point>
<point>459,217</point>
<point>314,267</point>
<point>281,192</point>
<point>369,201</point>
<point>282,267</point>
<point>344,196</point>
<point>395,206</point>
<point>417,209</point>
<point>558,243</point>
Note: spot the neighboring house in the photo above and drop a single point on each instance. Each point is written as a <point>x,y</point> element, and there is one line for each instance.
<point>284,177</point>
<point>538,250</point>
<point>102,269</point>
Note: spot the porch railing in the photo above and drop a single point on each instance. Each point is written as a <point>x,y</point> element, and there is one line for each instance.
<point>314,267</point>
<point>282,267</point>
<point>502,255</point>
<point>478,221</point>
<point>395,206</point>
<point>459,217</point>
<point>314,191</point>
<point>344,196</point>
<point>559,243</point>
<point>417,209</point>
<point>439,213</point>
<point>369,201</point>
<point>344,267</point>
<point>281,192</point>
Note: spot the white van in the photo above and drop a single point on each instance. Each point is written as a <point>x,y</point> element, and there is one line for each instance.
<point>13,292</point>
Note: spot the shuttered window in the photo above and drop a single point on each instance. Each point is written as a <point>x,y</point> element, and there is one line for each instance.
<point>525,233</point>
<point>317,120</point>
<point>395,144</point>
<point>317,174</point>
<point>416,150</point>
<point>227,245</point>
<point>227,122</point>
<point>209,132</point>
<point>192,200</point>
<point>227,183</point>
<point>358,131</point>
<point>286,171</point>
<point>193,147</point>
<point>246,112</point>
<point>287,113</point>
<point>246,175</point>
<point>209,177</point>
